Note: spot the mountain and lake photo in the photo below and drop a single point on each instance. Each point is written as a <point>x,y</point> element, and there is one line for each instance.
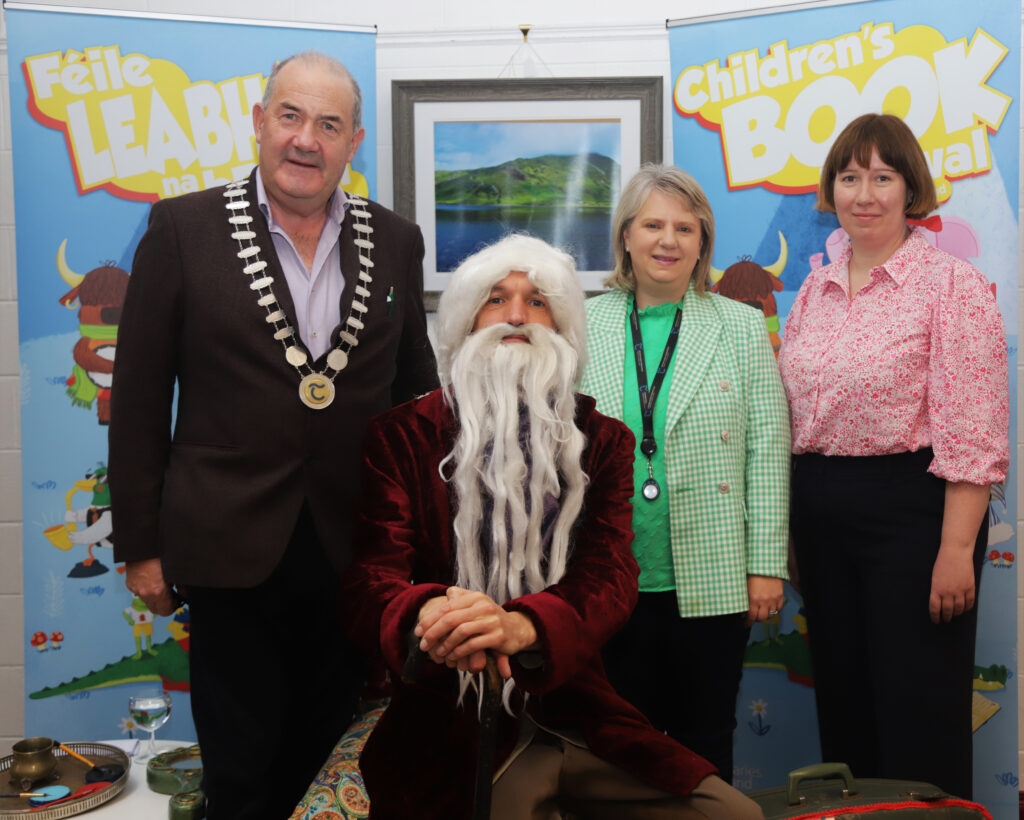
<point>565,197</point>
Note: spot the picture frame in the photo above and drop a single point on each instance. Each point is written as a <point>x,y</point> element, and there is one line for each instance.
<point>548,107</point>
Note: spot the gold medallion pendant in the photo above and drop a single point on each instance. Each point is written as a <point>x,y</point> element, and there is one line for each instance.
<point>316,391</point>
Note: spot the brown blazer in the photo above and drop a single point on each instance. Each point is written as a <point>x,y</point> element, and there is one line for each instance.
<point>218,499</point>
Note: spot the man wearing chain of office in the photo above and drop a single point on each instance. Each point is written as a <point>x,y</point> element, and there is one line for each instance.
<point>280,314</point>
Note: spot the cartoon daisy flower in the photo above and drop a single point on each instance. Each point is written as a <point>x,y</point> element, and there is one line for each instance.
<point>127,726</point>
<point>759,709</point>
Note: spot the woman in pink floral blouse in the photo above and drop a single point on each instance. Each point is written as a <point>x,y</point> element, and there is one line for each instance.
<point>894,362</point>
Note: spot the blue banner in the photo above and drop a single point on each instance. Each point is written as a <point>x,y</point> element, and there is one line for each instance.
<point>758,101</point>
<point>110,113</point>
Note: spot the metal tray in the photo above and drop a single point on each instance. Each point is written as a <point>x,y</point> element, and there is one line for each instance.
<point>70,773</point>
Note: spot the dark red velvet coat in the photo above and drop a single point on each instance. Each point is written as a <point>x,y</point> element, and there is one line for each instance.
<point>420,760</point>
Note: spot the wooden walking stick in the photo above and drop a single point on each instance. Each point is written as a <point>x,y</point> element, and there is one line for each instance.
<point>489,711</point>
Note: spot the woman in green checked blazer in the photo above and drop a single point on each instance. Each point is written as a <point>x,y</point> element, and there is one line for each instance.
<point>693,375</point>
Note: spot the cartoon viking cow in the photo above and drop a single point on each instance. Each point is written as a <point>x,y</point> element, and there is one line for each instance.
<point>747,282</point>
<point>100,293</point>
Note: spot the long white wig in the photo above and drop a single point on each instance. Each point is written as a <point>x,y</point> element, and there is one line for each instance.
<point>518,450</point>
<point>551,270</point>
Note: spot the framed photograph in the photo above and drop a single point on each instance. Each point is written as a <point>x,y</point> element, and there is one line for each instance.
<point>475,160</point>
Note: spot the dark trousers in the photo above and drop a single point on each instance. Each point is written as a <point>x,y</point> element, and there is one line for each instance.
<point>893,689</point>
<point>682,673</point>
<point>274,685</point>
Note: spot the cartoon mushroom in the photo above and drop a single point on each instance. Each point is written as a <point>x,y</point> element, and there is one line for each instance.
<point>1008,557</point>
<point>993,556</point>
<point>56,639</point>
<point>39,641</point>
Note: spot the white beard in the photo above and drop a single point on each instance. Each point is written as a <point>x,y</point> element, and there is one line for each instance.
<point>492,383</point>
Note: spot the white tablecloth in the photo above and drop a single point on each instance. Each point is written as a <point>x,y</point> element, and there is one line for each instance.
<point>137,802</point>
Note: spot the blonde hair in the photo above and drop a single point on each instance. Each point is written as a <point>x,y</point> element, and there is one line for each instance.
<point>674,182</point>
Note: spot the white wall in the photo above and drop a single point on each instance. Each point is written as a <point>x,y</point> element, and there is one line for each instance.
<point>417,39</point>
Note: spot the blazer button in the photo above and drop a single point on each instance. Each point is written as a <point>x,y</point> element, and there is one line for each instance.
<point>723,487</point>
<point>725,435</point>
<point>724,385</point>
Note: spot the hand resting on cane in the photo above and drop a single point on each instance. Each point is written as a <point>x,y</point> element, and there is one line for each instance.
<point>459,627</point>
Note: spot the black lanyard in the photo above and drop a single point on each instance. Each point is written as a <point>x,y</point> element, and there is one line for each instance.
<point>649,393</point>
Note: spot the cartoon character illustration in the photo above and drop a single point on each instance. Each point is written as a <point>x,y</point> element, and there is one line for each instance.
<point>951,234</point>
<point>759,709</point>
<point>748,282</point>
<point>127,726</point>
<point>165,661</point>
<point>999,530</point>
<point>772,629</point>
<point>97,528</point>
<point>800,621</point>
<point>785,651</point>
<point>1003,560</point>
<point>179,626</point>
<point>141,620</point>
<point>100,295</point>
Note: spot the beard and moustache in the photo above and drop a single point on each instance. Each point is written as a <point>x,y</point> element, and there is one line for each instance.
<point>518,450</point>
<point>516,465</point>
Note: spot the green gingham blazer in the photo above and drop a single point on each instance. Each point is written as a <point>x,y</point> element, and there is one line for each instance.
<point>727,448</point>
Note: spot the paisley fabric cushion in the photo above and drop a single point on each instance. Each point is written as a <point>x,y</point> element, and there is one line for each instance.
<point>337,792</point>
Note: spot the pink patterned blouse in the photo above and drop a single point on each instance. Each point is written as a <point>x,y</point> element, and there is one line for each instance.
<point>917,358</point>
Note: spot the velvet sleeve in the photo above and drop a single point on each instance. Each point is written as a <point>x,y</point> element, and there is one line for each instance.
<point>575,617</point>
<point>380,602</point>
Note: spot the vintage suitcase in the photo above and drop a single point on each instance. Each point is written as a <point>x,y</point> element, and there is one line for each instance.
<point>862,798</point>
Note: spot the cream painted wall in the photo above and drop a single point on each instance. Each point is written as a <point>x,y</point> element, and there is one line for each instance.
<point>417,39</point>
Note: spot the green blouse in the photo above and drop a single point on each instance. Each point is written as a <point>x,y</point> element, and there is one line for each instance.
<point>652,542</point>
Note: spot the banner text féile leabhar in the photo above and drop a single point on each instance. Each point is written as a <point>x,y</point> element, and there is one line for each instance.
<point>138,126</point>
<point>777,114</point>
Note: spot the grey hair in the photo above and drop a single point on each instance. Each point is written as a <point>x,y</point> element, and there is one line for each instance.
<point>333,66</point>
<point>674,182</point>
<point>550,269</point>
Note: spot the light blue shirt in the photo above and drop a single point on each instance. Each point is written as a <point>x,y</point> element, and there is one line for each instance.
<point>316,293</point>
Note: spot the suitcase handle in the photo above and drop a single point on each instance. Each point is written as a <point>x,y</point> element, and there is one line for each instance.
<point>819,771</point>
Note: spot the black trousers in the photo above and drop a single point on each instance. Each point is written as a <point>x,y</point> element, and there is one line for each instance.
<point>893,690</point>
<point>682,673</point>
<point>274,685</point>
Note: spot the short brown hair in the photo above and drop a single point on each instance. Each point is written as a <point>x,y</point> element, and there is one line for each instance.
<point>897,147</point>
<point>674,182</point>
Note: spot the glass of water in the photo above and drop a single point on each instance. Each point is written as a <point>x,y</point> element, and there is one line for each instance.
<point>150,708</point>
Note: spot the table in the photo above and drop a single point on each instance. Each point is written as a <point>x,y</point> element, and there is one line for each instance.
<point>137,802</point>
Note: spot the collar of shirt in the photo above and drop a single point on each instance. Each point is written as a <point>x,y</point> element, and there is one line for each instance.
<point>316,293</point>
<point>898,266</point>
<point>337,205</point>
